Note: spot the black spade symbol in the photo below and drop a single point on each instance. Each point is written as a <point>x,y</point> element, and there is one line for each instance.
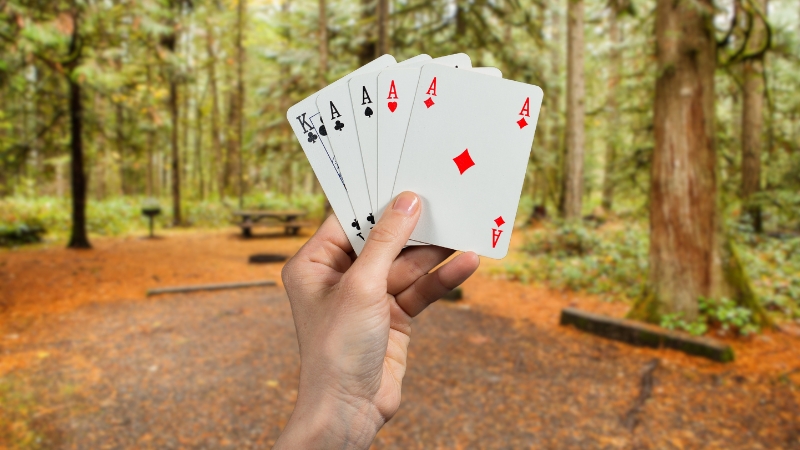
<point>312,137</point>
<point>355,224</point>
<point>371,218</point>
<point>323,131</point>
<point>368,112</point>
<point>339,125</point>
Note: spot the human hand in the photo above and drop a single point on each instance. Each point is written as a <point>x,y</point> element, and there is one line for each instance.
<point>353,319</point>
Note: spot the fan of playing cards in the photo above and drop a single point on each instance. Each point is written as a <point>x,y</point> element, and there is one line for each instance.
<point>457,136</point>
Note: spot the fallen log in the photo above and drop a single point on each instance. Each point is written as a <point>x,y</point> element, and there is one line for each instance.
<point>208,287</point>
<point>646,335</point>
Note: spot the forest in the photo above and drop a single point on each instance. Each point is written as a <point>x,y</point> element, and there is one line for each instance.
<point>665,168</point>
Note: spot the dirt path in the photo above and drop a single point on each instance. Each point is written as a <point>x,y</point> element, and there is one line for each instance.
<point>88,362</point>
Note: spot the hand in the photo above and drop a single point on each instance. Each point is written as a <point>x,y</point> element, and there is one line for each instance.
<point>353,319</point>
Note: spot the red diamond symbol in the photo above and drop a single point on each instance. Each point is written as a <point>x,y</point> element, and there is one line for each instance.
<point>464,161</point>
<point>429,102</point>
<point>522,123</point>
<point>499,221</point>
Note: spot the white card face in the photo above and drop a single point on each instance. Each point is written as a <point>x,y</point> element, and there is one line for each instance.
<point>364,99</point>
<point>396,88</point>
<point>491,71</point>
<point>305,121</point>
<point>466,152</point>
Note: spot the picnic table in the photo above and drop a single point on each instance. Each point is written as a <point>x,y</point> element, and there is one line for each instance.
<point>288,219</point>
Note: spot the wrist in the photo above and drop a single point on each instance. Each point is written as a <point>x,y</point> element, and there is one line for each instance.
<point>325,421</point>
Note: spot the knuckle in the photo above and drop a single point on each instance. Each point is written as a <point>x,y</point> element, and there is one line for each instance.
<point>383,235</point>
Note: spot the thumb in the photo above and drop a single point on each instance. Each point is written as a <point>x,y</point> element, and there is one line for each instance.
<point>389,236</point>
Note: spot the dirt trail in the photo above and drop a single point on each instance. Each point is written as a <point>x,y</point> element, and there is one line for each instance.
<point>89,362</point>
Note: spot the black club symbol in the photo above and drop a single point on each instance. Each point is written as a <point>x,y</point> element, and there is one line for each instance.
<point>339,125</point>
<point>312,137</point>
<point>371,218</point>
<point>323,131</point>
<point>355,224</point>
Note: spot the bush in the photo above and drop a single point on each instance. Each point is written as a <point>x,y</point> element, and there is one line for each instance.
<point>123,215</point>
<point>610,260</point>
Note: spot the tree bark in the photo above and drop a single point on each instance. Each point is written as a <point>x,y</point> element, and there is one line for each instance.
<point>690,256</point>
<point>612,142</point>
<point>368,49</point>
<point>216,141</point>
<point>120,141</point>
<point>240,15</point>
<point>78,236</point>
<point>382,46</point>
<point>169,42</point>
<point>573,176</point>
<point>323,43</point>
<point>753,120</point>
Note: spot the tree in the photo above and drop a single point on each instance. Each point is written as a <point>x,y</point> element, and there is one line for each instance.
<point>240,14</point>
<point>169,42</point>
<point>690,255</point>
<point>382,46</point>
<point>78,237</point>
<point>322,37</point>
<point>612,103</point>
<point>753,109</point>
<point>573,173</point>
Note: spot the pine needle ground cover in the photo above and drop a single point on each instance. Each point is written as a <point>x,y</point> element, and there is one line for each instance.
<point>612,262</point>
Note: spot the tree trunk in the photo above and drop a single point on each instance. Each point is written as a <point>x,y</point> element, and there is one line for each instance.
<point>169,42</point>
<point>382,46</point>
<point>120,141</point>
<point>615,63</point>
<point>323,43</point>
<point>753,119</point>
<point>573,176</point>
<point>368,49</point>
<point>240,15</point>
<point>78,237</point>
<point>215,136</point>
<point>690,256</point>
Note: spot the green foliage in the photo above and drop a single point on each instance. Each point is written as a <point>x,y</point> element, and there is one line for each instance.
<point>20,233</point>
<point>613,261</point>
<point>123,215</point>
<point>773,264</point>
<point>610,260</point>
<point>723,314</point>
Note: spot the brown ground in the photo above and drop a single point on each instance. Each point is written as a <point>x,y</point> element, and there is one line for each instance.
<point>88,362</point>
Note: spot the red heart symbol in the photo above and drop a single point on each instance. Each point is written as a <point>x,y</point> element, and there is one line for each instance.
<point>392,106</point>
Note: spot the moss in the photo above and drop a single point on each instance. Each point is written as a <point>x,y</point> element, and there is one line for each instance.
<point>645,308</point>
<point>742,286</point>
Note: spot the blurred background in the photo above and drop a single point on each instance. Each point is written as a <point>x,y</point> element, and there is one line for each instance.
<point>663,186</point>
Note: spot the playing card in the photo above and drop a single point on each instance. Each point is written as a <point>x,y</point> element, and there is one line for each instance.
<point>465,153</point>
<point>336,110</point>
<point>307,125</point>
<point>396,88</point>
<point>364,99</point>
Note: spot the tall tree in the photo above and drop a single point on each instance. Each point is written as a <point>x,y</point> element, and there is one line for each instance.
<point>240,24</point>
<point>169,42</point>
<point>78,237</point>
<point>612,102</point>
<point>323,43</point>
<point>753,109</point>
<point>216,140</point>
<point>573,174</point>
<point>382,46</point>
<point>690,256</point>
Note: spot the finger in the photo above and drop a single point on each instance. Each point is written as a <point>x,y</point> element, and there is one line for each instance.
<point>413,263</point>
<point>388,237</point>
<point>433,286</point>
<point>329,246</point>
